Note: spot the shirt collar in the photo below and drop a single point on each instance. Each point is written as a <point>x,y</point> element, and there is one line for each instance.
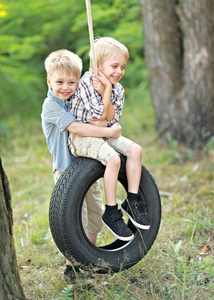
<point>59,100</point>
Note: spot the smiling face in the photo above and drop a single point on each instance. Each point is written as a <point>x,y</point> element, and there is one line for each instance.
<point>114,68</point>
<point>63,84</point>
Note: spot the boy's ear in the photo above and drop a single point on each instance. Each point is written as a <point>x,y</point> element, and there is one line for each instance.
<point>48,82</point>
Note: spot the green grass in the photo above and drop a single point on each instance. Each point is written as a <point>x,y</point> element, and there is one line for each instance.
<point>173,268</point>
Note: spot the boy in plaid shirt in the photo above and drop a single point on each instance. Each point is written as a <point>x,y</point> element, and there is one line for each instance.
<point>93,103</point>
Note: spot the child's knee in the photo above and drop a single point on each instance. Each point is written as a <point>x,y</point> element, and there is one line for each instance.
<point>135,151</point>
<point>114,161</point>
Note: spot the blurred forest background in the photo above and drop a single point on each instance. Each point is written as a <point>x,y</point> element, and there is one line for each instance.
<point>30,30</point>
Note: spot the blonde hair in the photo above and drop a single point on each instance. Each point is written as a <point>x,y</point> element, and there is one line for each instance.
<point>63,60</point>
<point>105,47</point>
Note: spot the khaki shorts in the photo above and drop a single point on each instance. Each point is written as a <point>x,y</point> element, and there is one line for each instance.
<point>92,209</point>
<point>98,148</point>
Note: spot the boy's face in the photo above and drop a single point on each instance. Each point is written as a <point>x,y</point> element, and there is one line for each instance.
<point>63,84</point>
<point>114,68</point>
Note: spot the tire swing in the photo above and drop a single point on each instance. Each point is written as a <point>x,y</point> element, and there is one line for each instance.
<point>66,222</point>
<point>65,212</point>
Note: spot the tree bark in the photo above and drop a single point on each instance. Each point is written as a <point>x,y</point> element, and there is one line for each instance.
<point>10,284</point>
<point>181,79</point>
<point>164,59</point>
<point>197,102</point>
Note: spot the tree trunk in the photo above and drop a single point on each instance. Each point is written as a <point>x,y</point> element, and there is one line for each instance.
<point>181,81</point>
<point>163,58</point>
<point>10,284</point>
<point>197,102</point>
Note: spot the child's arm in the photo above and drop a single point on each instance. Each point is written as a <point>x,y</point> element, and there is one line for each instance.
<point>98,122</point>
<point>54,114</point>
<point>118,97</point>
<point>100,81</point>
<point>85,129</point>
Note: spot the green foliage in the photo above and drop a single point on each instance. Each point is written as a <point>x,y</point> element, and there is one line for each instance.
<point>66,293</point>
<point>30,30</point>
<point>188,271</point>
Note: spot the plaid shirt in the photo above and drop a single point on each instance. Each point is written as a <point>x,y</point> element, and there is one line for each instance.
<point>86,103</point>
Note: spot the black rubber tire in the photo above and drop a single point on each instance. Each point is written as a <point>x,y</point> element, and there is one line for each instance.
<point>66,223</point>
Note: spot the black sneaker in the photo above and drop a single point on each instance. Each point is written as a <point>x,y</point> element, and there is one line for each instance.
<point>75,275</point>
<point>134,210</point>
<point>117,226</point>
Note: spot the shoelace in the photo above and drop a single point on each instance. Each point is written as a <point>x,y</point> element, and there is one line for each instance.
<point>139,205</point>
<point>136,209</point>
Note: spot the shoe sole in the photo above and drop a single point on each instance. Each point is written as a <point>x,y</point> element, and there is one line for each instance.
<point>145,227</point>
<point>122,238</point>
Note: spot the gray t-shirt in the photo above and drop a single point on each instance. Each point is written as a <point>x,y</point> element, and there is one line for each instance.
<point>55,119</point>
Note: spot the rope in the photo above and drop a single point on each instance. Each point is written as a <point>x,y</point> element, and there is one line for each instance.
<point>91,36</point>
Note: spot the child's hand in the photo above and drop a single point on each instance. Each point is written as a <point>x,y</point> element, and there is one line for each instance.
<point>97,84</point>
<point>103,79</point>
<point>116,130</point>
<point>101,82</point>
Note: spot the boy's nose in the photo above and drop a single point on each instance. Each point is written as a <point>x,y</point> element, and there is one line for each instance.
<point>65,86</point>
<point>119,71</point>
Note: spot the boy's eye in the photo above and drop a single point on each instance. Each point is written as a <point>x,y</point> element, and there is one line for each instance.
<point>114,66</point>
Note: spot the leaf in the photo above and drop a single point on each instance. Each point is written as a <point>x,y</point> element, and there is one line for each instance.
<point>206,249</point>
<point>176,247</point>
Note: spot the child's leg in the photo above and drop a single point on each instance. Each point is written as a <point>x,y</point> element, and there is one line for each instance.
<point>134,167</point>
<point>133,152</point>
<point>132,206</point>
<point>110,179</point>
<point>93,200</point>
<point>113,218</point>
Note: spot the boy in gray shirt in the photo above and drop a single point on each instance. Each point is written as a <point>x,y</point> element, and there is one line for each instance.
<point>63,72</point>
